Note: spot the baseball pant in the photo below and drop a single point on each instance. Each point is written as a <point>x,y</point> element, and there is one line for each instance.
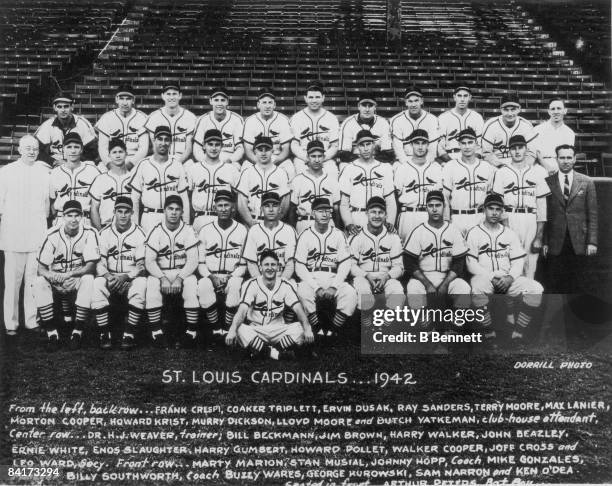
<point>19,267</point>
<point>329,167</point>
<point>154,298</point>
<point>408,220</point>
<point>202,220</point>
<point>150,220</point>
<point>135,293</point>
<point>208,297</point>
<point>465,222</point>
<point>272,334</point>
<point>366,300</point>
<point>529,290</point>
<point>525,226</point>
<point>43,291</point>
<point>346,296</point>
<point>458,290</point>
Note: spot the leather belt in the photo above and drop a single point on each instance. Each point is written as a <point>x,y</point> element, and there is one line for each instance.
<point>206,213</point>
<point>358,209</point>
<point>404,209</point>
<point>151,210</point>
<point>466,211</point>
<point>223,272</point>
<point>324,269</point>
<point>510,209</point>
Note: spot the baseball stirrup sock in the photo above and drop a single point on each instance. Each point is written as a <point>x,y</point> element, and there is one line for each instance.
<point>191,316</point>
<point>66,310</point>
<point>339,319</point>
<point>102,318</point>
<point>134,316</point>
<point>230,312</point>
<point>212,316</point>
<point>257,344</point>
<point>290,315</point>
<point>154,316</point>
<point>313,319</point>
<point>82,314</point>
<point>286,342</point>
<point>46,315</point>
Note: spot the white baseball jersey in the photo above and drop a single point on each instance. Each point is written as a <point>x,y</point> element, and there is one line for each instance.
<point>155,181</point>
<point>402,125</point>
<point>451,123</point>
<point>280,239</point>
<point>376,253</point>
<point>276,127</point>
<point>322,251</point>
<point>204,180</point>
<point>266,306</point>
<point>379,127</point>
<point>435,248</point>
<point>468,184</point>
<point>413,182</point>
<point>171,246</point>
<point>61,253</point>
<point>496,136</point>
<point>548,138</point>
<point>230,127</point>
<point>307,128</point>
<point>181,126</point>
<point>52,133</point>
<point>255,182</point>
<point>494,251</point>
<point>521,186</point>
<point>221,249</point>
<point>126,128</point>
<point>119,252</point>
<point>105,188</point>
<point>360,181</point>
<point>305,187</point>
<point>67,185</point>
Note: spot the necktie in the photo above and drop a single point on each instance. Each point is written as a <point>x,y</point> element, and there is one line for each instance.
<point>566,188</point>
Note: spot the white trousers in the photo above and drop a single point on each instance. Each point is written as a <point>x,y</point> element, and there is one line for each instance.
<point>346,296</point>
<point>154,298</point>
<point>43,291</point>
<point>458,290</point>
<point>19,267</point>
<point>529,290</point>
<point>271,333</point>
<point>525,226</point>
<point>208,297</point>
<point>135,293</point>
<point>393,292</point>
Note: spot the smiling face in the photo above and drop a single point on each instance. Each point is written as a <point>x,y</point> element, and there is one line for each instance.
<point>72,219</point>
<point>314,100</point>
<point>123,217</point>
<point>117,156</point>
<point>414,104</point>
<point>28,148</point>
<point>419,148</point>
<point>268,267</point>
<point>172,98</point>
<point>266,106</point>
<point>219,105</point>
<point>212,149</point>
<point>467,147</point>
<point>376,217</point>
<point>557,110</point>
<point>263,154</point>
<point>161,144</point>
<point>510,113</point>
<point>322,216</point>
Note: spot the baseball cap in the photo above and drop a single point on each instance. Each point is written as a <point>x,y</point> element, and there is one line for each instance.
<point>173,199</point>
<point>162,130</point>
<point>320,203</point>
<point>62,97</point>
<point>314,146</point>
<point>72,205</point>
<point>418,134</point>
<point>261,141</point>
<point>218,90</point>
<point>462,87</point>
<point>116,142</point>
<point>364,136</point>
<point>516,140</point>
<point>493,199</point>
<point>125,90</point>
<point>434,196</point>
<point>171,85</point>
<point>467,133</point>
<point>365,97</point>
<point>213,134</point>
<point>510,99</point>
<point>266,92</point>
<point>413,90</point>
<point>270,196</point>
<point>223,195</point>
<point>376,202</point>
<point>123,202</point>
<point>72,137</point>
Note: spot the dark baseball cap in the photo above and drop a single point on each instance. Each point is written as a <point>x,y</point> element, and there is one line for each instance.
<point>320,203</point>
<point>364,136</point>
<point>62,97</point>
<point>72,205</point>
<point>162,130</point>
<point>366,97</point>
<point>467,133</point>
<point>72,137</point>
<point>462,87</point>
<point>171,85</point>
<point>493,199</point>
<point>224,195</point>
<point>123,202</point>
<point>516,140</point>
<point>434,196</point>
<point>510,99</point>
<point>315,146</point>
<point>376,202</point>
<point>218,90</point>
<point>413,90</point>
<point>213,134</point>
<point>173,199</point>
<point>262,141</point>
<point>125,90</point>
<point>116,142</point>
<point>266,93</point>
<point>270,196</point>
<point>418,134</point>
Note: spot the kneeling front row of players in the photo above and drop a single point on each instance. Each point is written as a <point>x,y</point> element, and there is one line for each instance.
<point>270,312</point>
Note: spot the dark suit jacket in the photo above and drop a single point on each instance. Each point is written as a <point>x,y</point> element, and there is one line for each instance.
<point>578,216</point>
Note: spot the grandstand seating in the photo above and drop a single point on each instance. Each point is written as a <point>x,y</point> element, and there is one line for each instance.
<point>283,44</point>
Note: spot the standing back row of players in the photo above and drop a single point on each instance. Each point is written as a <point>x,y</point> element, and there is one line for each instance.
<point>291,136</point>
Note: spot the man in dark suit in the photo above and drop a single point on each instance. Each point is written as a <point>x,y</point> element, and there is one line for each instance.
<point>571,228</point>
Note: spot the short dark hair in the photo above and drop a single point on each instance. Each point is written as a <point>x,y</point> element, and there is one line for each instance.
<point>268,254</point>
<point>552,100</point>
<point>565,146</point>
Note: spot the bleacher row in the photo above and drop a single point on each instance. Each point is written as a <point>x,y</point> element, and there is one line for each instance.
<point>250,44</point>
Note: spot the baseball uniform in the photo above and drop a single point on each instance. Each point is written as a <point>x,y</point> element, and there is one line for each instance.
<point>550,137</point>
<point>69,184</point>
<point>51,133</point>
<point>412,183</point>
<point>377,255</point>
<point>277,128</point>
<point>231,128</point>
<point>126,128</point>
<point>306,128</point>
<point>304,188</point>
<point>254,182</point>
<point>105,188</point>
<point>496,136</point>
<point>360,181</point>
<point>203,181</point>
<point>352,125</point>
<point>281,239</point>
<point>521,187</point>
<point>402,125</point>
<point>451,123</point>
<point>466,186</point>
<point>182,125</point>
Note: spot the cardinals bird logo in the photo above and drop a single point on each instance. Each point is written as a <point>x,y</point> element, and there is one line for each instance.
<point>226,135</point>
<point>466,184</point>
<point>64,191</point>
<point>180,129</point>
<point>486,248</point>
<point>114,252</point>
<point>132,129</point>
<point>116,134</point>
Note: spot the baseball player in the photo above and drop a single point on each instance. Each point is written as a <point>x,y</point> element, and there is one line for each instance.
<point>121,272</point>
<point>270,234</point>
<point>314,123</point>
<point>323,263</point>
<point>377,260</point>
<point>551,134</point>
<point>310,184</point>
<point>221,244</point>
<point>466,183</point>
<point>524,190</point>
<point>181,122</point>
<point>405,122</point>
<point>66,266</point>
<point>107,186</point>
<point>495,259</point>
<point>51,132</point>
<point>72,179</point>
<point>365,119</point>
<point>498,130</point>
<point>435,255</point>
<point>155,178</point>
<point>269,123</point>
<point>457,119</point>
<point>171,259</point>
<point>413,180</point>
<point>230,125</point>
<point>259,179</point>
<point>362,179</point>
<point>259,324</point>
<point>208,176</point>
